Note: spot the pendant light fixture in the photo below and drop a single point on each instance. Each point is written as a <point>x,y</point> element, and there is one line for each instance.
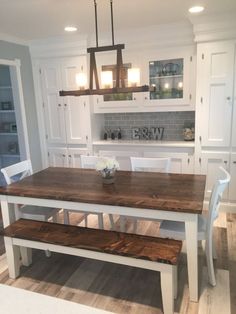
<point>107,76</point>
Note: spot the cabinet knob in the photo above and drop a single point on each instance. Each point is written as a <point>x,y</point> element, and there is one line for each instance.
<point>63,155</point>
<point>134,98</point>
<point>70,156</point>
<point>228,98</point>
<point>145,98</point>
<point>59,105</point>
<point>234,162</point>
<point>65,105</point>
<point>225,161</point>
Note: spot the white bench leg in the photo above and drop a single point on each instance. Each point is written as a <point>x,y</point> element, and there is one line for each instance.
<point>112,222</point>
<point>66,217</point>
<point>13,258</point>
<point>26,256</point>
<point>122,223</point>
<point>175,278</point>
<point>167,290</point>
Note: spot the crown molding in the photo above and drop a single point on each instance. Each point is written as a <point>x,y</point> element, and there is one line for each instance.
<point>62,46</point>
<point>13,40</point>
<point>215,27</point>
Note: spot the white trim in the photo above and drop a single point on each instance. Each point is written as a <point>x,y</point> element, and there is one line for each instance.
<point>13,40</point>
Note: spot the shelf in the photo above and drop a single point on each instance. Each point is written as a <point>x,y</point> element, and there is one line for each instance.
<point>10,155</point>
<point>7,111</point>
<point>165,76</point>
<point>3,133</point>
<point>5,87</point>
<point>146,143</point>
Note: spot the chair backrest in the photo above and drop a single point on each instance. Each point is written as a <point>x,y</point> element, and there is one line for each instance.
<point>90,162</point>
<point>150,164</point>
<point>17,171</point>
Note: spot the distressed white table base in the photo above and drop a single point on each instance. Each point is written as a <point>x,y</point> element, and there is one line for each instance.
<point>190,220</point>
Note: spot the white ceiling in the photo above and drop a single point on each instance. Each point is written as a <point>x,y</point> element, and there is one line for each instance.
<point>37,19</point>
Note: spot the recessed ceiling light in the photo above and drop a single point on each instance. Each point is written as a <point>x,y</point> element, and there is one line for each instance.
<point>70,29</point>
<point>196,9</point>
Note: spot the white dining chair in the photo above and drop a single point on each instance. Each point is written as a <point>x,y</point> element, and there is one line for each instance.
<point>17,172</point>
<point>149,165</point>
<point>89,162</point>
<point>176,230</point>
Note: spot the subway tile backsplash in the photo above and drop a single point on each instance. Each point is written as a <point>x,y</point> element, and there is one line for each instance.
<point>173,122</point>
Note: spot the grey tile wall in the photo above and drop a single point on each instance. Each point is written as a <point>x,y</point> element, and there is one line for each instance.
<point>173,122</point>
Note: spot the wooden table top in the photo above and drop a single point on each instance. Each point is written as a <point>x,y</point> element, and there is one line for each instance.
<point>158,191</point>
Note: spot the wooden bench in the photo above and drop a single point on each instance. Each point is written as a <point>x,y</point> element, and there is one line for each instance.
<point>122,248</point>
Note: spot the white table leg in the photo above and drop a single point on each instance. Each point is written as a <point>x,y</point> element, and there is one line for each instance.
<point>191,227</point>
<point>167,291</point>
<point>13,258</point>
<point>8,213</point>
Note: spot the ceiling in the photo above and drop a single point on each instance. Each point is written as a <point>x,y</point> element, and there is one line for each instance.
<point>38,19</point>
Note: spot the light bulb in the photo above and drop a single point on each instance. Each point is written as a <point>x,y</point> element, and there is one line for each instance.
<point>196,9</point>
<point>133,77</point>
<point>107,79</point>
<point>81,80</point>
<point>166,85</point>
<point>180,85</point>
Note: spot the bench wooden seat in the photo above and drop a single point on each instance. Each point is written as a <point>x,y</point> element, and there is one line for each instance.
<point>128,249</point>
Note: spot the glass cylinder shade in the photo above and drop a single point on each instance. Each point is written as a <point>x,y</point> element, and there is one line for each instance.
<point>133,77</point>
<point>107,79</point>
<point>81,80</point>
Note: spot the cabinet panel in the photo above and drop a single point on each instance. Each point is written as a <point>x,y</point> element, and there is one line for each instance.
<point>53,111</point>
<point>215,84</point>
<point>123,157</point>
<point>210,163</point>
<point>57,157</point>
<point>180,162</point>
<point>74,156</point>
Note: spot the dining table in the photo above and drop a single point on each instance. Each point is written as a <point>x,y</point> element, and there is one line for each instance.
<point>148,195</point>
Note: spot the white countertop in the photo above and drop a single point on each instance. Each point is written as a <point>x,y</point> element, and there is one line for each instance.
<point>146,143</point>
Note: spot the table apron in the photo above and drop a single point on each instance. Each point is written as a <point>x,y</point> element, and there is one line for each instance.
<point>98,208</point>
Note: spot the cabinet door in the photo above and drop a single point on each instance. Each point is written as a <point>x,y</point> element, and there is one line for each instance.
<point>180,162</point>
<point>57,157</point>
<point>74,156</point>
<point>232,184</point>
<point>169,72</point>
<point>214,92</point>
<point>234,112</point>
<point>210,163</point>
<point>75,110</point>
<point>123,157</point>
<point>53,103</point>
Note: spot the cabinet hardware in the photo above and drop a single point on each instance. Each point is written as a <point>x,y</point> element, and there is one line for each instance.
<point>200,160</point>
<point>86,137</point>
<point>48,154</point>
<point>228,98</point>
<point>70,156</point>
<point>97,100</point>
<point>188,160</point>
<point>191,58</point>
<point>225,161</point>
<point>134,98</point>
<point>65,105</point>
<point>59,105</point>
<point>40,71</point>
<point>203,56</point>
<point>46,137</point>
<point>43,105</point>
<point>201,100</point>
<point>145,98</point>
<point>84,103</point>
<point>234,162</point>
<point>63,155</point>
<point>82,67</point>
<point>200,138</point>
<point>190,96</point>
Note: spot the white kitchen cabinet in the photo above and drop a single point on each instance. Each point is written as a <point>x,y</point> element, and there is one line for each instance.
<point>65,117</point>
<point>179,96</point>
<point>170,73</point>
<point>215,74</point>
<point>63,157</point>
<point>209,165</point>
<point>180,162</point>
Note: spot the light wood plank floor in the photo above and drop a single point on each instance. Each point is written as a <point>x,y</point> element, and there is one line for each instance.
<point>122,289</point>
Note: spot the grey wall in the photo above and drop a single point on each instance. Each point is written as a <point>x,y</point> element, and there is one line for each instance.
<point>15,51</point>
<point>173,122</point>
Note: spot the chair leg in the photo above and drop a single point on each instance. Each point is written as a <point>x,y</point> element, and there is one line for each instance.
<point>48,253</point>
<point>26,256</point>
<point>86,220</point>
<point>112,222</point>
<point>167,290</point>
<point>175,278</point>
<point>122,223</point>
<point>66,217</point>
<point>210,265</point>
<point>100,221</point>
<point>214,253</point>
<point>135,225</point>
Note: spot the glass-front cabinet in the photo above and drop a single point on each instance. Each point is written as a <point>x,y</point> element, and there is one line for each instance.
<point>170,74</point>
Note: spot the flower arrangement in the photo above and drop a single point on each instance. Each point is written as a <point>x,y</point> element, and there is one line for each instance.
<point>107,167</point>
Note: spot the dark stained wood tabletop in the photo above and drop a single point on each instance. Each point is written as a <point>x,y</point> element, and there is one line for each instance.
<point>159,191</point>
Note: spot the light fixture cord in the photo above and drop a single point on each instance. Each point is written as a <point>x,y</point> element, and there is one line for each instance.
<point>96,21</point>
<point>112,22</point>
